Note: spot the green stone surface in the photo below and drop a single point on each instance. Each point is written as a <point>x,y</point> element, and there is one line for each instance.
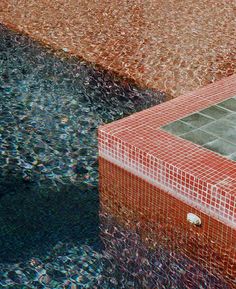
<point>213,128</point>
<point>229,104</point>
<point>222,147</point>
<point>215,112</point>
<point>197,120</point>
<point>219,127</point>
<point>178,127</point>
<point>232,118</point>
<point>230,135</point>
<point>232,157</point>
<point>199,137</point>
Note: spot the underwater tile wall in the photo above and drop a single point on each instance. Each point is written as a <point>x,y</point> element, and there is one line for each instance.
<point>154,243</point>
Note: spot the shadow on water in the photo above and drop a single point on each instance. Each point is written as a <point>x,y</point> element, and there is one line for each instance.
<point>33,220</point>
<point>50,107</point>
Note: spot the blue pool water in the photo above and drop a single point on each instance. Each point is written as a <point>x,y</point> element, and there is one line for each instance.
<point>50,107</point>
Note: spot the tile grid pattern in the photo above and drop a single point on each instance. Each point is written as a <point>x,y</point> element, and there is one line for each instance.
<point>147,41</point>
<point>189,172</point>
<point>213,128</point>
<point>160,220</point>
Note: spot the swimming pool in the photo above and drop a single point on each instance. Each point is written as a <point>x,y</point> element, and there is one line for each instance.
<point>50,107</point>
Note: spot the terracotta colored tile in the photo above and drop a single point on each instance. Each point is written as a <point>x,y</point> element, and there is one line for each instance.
<point>162,219</point>
<point>158,177</point>
<point>175,46</point>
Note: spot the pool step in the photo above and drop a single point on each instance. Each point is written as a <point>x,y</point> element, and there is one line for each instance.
<point>155,178</point>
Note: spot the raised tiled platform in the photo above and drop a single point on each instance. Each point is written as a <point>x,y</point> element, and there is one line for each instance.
<point>154,169</point>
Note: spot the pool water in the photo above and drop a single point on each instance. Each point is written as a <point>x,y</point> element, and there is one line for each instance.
<point>50,107</point>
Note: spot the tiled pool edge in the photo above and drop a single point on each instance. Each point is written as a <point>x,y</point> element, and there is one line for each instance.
<point>117,144</point>
<point>132,145</point>
<point>164,182</point>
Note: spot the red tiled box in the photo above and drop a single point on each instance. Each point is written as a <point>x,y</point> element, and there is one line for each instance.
<point>157,178</point>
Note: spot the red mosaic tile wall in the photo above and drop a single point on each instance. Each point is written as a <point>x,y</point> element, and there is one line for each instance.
<point>208,194</point>
<point>153,179</point>
<point>169,45</point>
<point>162,220</point>
<point>197,176</point>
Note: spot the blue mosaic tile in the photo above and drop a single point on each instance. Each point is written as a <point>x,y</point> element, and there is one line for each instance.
<point>50,108</point>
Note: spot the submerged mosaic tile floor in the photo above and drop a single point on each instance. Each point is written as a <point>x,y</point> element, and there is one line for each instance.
<point>50,107</point>
<point>213,128</point>
<point>171,45</point>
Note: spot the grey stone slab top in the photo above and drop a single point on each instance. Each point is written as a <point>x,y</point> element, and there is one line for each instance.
<point>230,104</point>
<point>215,112</point>
<point>213,128</point>
<point>178,127</point>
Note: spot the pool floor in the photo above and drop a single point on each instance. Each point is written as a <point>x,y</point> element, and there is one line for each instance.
<point>50,231</point>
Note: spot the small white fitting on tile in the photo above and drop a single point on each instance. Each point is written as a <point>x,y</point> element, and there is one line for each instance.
<point>194,219</point>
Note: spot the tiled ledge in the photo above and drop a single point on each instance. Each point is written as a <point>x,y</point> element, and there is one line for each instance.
<point>190,172</point>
